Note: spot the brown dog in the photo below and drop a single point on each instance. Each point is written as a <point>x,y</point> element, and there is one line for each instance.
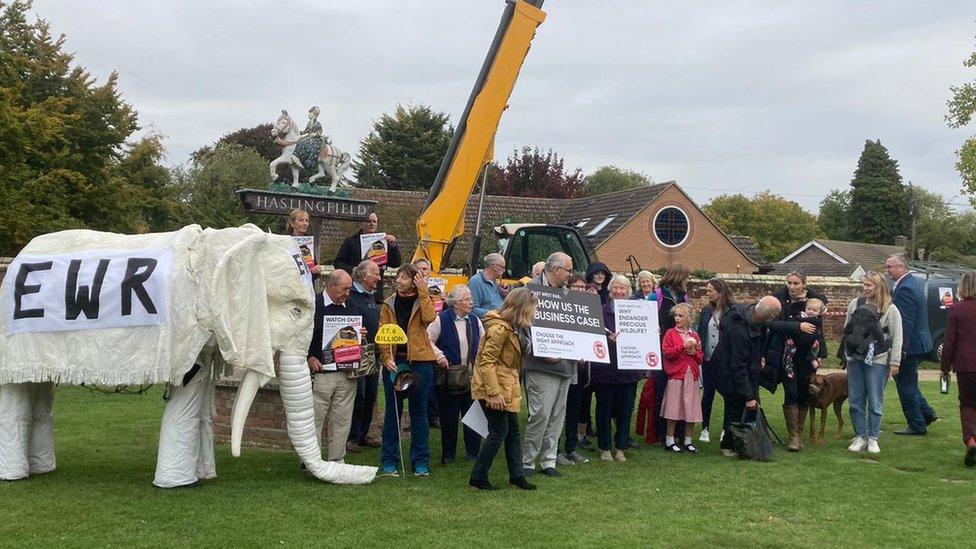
<point>826,390</point>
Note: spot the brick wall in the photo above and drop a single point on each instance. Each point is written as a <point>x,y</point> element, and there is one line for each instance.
<point>265,426</point>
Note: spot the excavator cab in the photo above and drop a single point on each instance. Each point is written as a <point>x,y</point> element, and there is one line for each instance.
<point>524,244</point>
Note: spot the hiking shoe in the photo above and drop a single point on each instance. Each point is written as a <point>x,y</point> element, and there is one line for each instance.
<point>858,444</point>
<point>388,471</point>
<point>703,437</point>
<point>619,456</point>
<point>873,447</point>
<point>578,457</point>
<point>421,471</point>
<point>605,455</point>
<point>563,459</point>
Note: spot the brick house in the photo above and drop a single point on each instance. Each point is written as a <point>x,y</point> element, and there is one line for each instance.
<point>657,225</point>
<point>822,257</point>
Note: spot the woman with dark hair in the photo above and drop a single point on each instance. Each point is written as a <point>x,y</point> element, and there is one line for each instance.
<point>720,300</point>
<point>959,355</point>
<point>797,337</point>
<point>672,289</point>
<point>599,274</point>
<point>411,308</point>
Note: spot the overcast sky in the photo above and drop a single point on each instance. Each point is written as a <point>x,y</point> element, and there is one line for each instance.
<point>719,96</point>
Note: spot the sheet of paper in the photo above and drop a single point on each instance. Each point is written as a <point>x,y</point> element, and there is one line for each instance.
<point>475,419</point>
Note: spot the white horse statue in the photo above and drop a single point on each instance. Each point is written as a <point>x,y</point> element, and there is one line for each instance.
<point>308,149</point>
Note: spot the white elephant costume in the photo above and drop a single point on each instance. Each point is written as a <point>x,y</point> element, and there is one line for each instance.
<point>99,308</point>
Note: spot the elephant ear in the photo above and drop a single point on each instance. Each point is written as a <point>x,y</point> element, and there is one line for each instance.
<point>238,303</point>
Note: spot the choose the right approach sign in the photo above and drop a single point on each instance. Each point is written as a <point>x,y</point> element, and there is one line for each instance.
<point>568,325</point>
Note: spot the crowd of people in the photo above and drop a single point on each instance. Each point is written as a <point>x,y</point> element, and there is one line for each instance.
<point>479,349</point>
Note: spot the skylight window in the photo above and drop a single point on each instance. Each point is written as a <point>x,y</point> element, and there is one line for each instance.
<point>602,224</point>
<point>580,223</point>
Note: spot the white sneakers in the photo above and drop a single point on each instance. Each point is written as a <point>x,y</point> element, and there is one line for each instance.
<point>704,436</point>
<point>860,444</point>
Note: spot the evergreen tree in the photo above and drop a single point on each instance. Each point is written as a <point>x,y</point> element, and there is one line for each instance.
<point>404,150</point>
<point>879,207</point>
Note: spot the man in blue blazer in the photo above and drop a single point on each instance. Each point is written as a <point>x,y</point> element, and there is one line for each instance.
<point>908,295</point>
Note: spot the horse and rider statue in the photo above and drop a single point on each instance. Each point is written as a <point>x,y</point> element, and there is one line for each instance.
<point>308,149</point>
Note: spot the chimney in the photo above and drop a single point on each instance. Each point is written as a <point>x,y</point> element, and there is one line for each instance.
<point>901,241</point>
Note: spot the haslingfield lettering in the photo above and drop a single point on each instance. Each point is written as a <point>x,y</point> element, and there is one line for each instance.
<point>88,290</point>
<point>324,207</point>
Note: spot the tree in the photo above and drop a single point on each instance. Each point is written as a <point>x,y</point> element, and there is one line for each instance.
<point>63,152</point>
<point>879,207</point>
<point>833,217</point>
<point>608,179</point>
<point>962,107</point>
<point>530,172</point>
<point>258,138</point>
<point>941,234</point>
<point>404,150</point>
<point>777,225</point>
<point>206,188</point>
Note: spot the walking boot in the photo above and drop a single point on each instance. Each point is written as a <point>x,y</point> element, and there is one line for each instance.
<point>791,413</point>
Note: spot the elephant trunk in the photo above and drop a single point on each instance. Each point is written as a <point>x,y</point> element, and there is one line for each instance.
<point>295,386</point>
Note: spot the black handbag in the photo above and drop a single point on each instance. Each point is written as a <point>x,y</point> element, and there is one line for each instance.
<point>456,378</point>
<point>752,438</point>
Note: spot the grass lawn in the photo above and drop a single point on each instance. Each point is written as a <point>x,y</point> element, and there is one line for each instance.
<point>917,493</point>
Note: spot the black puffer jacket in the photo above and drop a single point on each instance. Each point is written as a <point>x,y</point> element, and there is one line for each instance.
<point>740,346</point>
<point>788,325</point>
<point>597,267</point>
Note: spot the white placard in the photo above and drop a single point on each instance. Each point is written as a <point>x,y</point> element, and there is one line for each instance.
<point>306,246</point>
<point>88,290</point>
<point>639,340</point>
<point>945,298</point>
<point>373,246</point>
<point>476,420</point>
<point>341,342</point>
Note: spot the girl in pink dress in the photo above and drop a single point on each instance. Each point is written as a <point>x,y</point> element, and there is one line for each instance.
<point>683,356</point>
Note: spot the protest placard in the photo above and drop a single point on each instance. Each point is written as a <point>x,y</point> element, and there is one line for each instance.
<point>638,339</point>
<point>341,342</point>
<point>373,246</point>
<point>568,325</point>
<point>437,288</point>
<point>306,245</point>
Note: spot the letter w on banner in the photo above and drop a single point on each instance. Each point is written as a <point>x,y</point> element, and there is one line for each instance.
<point>568,325</point>
<point>88,290</point>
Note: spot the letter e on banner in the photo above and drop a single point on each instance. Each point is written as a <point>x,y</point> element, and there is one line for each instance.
<point>88,290</point>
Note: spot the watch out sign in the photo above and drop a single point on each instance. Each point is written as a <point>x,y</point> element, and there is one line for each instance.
<point>88,290</point>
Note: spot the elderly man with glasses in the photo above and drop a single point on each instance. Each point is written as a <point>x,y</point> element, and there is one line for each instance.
<point>487,291</point>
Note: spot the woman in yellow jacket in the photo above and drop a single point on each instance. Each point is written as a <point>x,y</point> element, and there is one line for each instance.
<point>410,308</point>
<point>495,384</point>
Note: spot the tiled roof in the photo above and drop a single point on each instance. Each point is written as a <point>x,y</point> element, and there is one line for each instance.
<point>622,206</point>
<point>748,247</point>
<point>868,256</point>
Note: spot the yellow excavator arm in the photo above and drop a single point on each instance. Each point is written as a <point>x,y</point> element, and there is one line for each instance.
<point>442,219</point>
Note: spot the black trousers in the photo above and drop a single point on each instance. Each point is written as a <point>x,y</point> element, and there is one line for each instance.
<point>710,386</point>
<point>502,427</point>
<point>453,408</point>
<point>574,408</point>
<point>613,404</point>
<point>796,390</point>
<point>734,406</point>
<point>367,389</point>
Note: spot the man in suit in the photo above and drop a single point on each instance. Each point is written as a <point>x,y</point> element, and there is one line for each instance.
<point>908,295</point>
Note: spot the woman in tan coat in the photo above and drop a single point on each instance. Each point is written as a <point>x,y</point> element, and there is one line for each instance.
<point>495,384</point>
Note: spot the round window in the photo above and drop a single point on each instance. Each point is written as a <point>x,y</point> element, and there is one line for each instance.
<point>671,226</point>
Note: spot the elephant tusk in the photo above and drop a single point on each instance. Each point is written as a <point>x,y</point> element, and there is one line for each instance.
<point>295,385</point>
<point>242,406</point>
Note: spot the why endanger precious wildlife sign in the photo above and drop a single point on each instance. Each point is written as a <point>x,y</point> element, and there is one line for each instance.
<point>638,339</point>
<point>88,290</point>
<point>568,325</point>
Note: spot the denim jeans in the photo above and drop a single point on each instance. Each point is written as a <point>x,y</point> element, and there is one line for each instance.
<point>866,385</point>
<point>913,404</point>
<point>502,427</point>
<point>419,447</point>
